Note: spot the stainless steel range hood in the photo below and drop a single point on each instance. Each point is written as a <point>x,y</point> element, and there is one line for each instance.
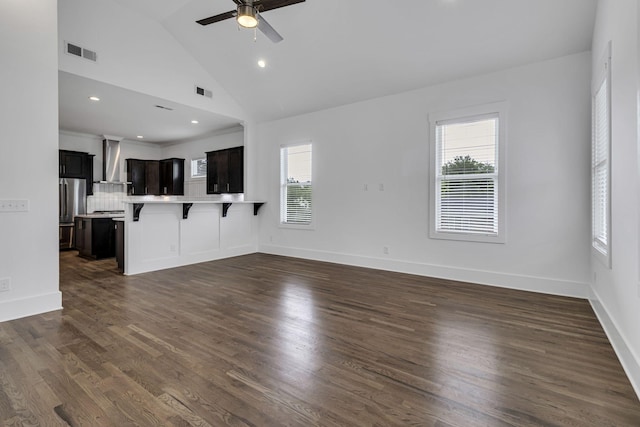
<point>111,160</point>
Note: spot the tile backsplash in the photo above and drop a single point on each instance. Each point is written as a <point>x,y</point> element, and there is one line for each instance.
<point>195,188</point>
<point>106,197</point>
<point>110,197</point>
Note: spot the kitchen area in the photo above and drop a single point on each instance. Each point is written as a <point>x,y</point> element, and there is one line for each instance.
<point>167,191</point>
<point>91,213</point>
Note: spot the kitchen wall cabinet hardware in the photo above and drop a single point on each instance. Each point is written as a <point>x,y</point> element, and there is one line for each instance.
<point>225,171</point>
<point>172,177</point>
<point>76,164</point>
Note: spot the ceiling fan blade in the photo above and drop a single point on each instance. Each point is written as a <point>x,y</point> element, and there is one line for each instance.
<point>268,30</point>
<point>217,18</point>
<point>265,5</point>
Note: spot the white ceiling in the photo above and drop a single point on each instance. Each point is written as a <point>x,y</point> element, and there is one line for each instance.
<point>337,52</point>
<point>127,114</point>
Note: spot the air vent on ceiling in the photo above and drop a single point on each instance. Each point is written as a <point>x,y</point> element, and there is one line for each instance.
<point>79,51</point>
<point>203,92</point>
<point>162,107</point>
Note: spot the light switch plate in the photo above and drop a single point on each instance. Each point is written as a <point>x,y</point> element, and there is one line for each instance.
<point>14,205</point>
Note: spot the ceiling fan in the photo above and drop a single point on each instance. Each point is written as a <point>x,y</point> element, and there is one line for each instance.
<point>248,15</point>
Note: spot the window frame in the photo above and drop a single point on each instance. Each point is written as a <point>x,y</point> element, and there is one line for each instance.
<point>601,250</point>
<point>192,176</point>
<point>462,115</point>
<point>284,185</point>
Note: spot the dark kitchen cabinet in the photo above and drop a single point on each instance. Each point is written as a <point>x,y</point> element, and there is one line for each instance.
<point>225,171</point>
<point>172,177</point>
<point>76,164</point>
<point>95,237</point>
<point>83,229</point>
<point>119,227</point>
<point>144,176</point>
<point>72,164</point>
<point>152,177</point>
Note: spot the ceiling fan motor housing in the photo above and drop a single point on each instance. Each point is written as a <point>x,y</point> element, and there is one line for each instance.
<point>247,16</point>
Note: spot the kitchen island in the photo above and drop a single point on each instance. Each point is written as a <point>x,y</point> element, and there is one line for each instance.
<point>95,235</point>
<point>167,232</point>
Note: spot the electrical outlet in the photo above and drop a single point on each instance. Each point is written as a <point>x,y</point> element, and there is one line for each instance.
<point>14,205</point>
<point>385,250</point>
<point>381,187</point>
<point>366,187</point>
<point>172,248</point>
<point>5,284</point>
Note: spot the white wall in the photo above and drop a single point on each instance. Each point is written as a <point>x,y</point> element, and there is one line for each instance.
<point>29,156</point>
<point>136,53</point>
<point>385,141</point>
<point>617,290</point>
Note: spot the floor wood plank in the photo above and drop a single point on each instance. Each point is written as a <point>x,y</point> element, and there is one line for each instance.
<point>261,340</point>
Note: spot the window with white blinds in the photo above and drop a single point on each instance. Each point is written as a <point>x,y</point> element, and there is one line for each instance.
<point>296,185</point>
<point>600,162</point>
<point>467,191</point>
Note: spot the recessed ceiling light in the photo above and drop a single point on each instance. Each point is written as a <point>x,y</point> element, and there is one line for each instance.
<point>262,63</point>
<point>195,122</point>
<point>140,137</point>
<point>94,98</point>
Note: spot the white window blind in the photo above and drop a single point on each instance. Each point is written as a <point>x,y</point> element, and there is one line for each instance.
<point>600,162</point>
<point>467,176</point>
<point>296,184</point>
<point>199,168</point>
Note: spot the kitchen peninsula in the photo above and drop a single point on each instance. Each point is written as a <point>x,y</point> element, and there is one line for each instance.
<point>167,232</point>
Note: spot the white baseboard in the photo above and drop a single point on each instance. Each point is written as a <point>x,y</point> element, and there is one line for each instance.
<point>629,361</point>
<point>504,280</point>
<point>18,308</point>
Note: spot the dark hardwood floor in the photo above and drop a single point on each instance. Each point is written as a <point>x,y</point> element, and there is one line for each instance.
<point>261,340</point>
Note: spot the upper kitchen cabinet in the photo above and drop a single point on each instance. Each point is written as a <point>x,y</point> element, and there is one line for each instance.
<point>172,177</point>
<point>225,171</point>
<point>144,176</point>
<point>155,177</point>
<point>76,164</point>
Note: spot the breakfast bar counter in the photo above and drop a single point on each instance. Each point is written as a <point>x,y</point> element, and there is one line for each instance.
<point>166,232</point>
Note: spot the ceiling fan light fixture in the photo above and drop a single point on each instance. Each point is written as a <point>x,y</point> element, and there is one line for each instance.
<point>247,16</point>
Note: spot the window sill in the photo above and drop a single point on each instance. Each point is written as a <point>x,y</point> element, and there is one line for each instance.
<point>309,227</point>
<point>467,237</point>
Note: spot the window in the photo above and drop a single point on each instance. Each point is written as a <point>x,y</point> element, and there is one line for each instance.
<point>199,168</point>
<point>296,187</point>
<point>467,184</point>
<point>600,160</point>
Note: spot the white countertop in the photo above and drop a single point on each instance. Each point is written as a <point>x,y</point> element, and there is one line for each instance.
<point>101,215</point>
<point>187,200</point>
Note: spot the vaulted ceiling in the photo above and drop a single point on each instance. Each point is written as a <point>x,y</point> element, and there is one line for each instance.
<point>337,52</point>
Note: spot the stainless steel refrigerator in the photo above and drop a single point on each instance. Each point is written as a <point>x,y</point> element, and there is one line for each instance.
<point>73,201</point>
